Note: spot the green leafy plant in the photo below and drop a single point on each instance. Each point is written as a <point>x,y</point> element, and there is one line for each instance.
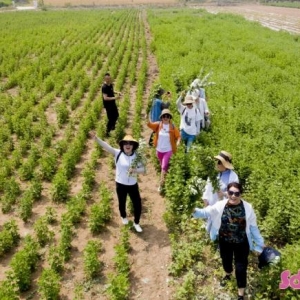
<point>49,284</point>
<point>56,258</point>
<point>43,233</point>
<point>92,265</point>
<point>50,215</point>
<point>100,212</point>
<point>67,232</point>
<point>25,207</point>
<point>8,290</point>
<point>9,237</point>
<point>60,187</point>
<point>24,263</point>
<point>118,287</point>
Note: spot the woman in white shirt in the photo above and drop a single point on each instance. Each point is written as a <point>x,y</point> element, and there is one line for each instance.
<point>226,175</point>
<point>126,180</point>
<point>198,95</point>
<point>189,120</point>
<point>166,140</point>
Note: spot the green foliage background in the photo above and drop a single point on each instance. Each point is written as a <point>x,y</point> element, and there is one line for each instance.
<point>255,116</point>
<point>254,105</point>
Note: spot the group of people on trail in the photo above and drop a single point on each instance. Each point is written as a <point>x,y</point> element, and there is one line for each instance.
<point>165,137</point>
<point>230,219</point>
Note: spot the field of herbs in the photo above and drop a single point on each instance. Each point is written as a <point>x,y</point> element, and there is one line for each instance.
<point>52,65</point>
<point>255,116</point>
<point>52,68</point>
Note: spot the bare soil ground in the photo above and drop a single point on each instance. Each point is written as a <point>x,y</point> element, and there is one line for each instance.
<point>276,18</point>
<point>106,2</point>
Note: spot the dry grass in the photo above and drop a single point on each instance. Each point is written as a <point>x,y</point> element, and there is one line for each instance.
<point>105,2</point>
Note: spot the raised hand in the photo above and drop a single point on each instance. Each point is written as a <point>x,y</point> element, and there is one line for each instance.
<point>93,134</point>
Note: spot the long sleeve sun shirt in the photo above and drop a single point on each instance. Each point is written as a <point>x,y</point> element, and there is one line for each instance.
<point>122,165</point>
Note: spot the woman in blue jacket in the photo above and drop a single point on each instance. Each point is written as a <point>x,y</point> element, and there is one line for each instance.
<point>234,224</point>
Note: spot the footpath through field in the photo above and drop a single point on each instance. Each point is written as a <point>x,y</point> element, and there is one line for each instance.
<point>150,251</point>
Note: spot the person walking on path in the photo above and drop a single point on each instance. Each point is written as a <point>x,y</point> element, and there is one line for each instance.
<point>198,95</point>
<point>189,120</point>
<point>158,104</point>
<point>127,168</point>
<point>234,226</point>
<point>225,176</point>
<point>166,140</point>
<point>109,103</point>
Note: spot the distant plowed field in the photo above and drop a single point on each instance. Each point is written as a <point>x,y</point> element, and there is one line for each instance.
<point>276,18</point>
<point>106,2</point>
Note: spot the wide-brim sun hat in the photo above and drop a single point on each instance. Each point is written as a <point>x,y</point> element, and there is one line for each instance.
<point>166,112</point>
<point>188,100</point>
<point>225,158</point>
<point>129,138</point>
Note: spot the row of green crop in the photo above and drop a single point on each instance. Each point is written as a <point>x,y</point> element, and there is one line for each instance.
<point>255,116</point>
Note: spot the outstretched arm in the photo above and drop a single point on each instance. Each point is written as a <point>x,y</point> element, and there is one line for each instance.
<point>201,213</point>
<point>103,144</point>
<point>180,106</point>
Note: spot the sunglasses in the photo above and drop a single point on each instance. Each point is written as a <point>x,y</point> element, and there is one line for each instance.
<point>128,143</point>
<point>231,193</point>
<point>166,116</point>
<point>219,162</point>
<point>189,104</point>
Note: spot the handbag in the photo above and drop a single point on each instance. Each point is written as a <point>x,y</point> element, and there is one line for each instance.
<point>269,256</point>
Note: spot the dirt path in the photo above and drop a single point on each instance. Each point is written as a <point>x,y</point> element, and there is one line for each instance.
<point>276,18</point>
<point>151,252</point>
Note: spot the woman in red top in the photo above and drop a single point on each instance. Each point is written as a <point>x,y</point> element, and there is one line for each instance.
<point>166,140</point>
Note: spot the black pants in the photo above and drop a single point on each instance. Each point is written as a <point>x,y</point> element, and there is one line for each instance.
<point>240,252</point>
<point>112,115</point>
<point>134,194</point>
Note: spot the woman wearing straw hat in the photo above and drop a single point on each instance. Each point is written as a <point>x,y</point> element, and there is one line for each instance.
<point>189,120</point>
<point>166,140</point>
<point>200,102</point>
<point>226,175</point>
<point>126,181</point>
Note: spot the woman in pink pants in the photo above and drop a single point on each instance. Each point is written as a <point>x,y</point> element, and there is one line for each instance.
<point>166,140</point>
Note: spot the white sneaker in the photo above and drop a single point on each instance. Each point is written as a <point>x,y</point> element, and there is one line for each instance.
<point>137,227</point>
<point>125,221</point>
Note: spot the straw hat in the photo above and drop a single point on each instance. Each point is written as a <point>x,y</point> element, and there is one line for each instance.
<point>188,100</point>
<point>129,138</point>
<point>225,158</point>
<point>165,112</point>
